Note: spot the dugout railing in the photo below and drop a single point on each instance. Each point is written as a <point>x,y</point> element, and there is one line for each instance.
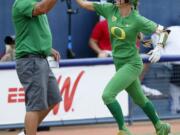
<point>133,111</point>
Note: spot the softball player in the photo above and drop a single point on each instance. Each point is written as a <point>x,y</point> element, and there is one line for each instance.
<point>124,23</point>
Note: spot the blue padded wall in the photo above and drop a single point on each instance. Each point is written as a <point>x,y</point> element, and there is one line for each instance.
<point>165,12</point>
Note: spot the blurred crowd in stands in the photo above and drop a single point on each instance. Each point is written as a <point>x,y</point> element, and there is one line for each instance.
<point>9,52</point>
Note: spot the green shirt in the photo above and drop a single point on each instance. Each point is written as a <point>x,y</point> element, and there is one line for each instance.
<point>33,35</point>
<point>124,30</point>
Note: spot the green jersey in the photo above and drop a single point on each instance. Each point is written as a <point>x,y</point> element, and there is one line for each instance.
<point>124,30</point>
<point>33,34</point>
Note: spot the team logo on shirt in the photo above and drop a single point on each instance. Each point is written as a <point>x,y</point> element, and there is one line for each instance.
<point>114,18</point>
<point>119,33</point>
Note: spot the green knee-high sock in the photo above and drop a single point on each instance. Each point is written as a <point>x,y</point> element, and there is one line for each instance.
<point>150,112</point>
<point>116,111</point>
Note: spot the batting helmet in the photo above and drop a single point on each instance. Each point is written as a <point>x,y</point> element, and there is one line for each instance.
<point>133,2</point>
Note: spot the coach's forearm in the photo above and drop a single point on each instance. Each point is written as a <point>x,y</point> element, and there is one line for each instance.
<point>85,4</point>
<point>43,7</point>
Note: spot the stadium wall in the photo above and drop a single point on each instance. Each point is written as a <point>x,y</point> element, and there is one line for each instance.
<point>81,85</point>
<point>165,12</point>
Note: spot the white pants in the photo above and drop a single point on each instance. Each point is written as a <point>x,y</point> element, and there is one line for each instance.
<point>175,94</point>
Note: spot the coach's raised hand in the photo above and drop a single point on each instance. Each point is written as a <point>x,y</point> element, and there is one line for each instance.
<point>85,4</point>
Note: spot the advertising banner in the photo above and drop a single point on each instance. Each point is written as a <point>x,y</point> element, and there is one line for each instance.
<point>81,88</point>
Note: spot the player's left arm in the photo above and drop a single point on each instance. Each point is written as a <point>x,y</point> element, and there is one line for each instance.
<point>162,34</point>
<point>147,27</point>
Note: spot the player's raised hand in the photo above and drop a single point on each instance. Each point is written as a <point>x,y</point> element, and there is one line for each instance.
<point>86,4</point>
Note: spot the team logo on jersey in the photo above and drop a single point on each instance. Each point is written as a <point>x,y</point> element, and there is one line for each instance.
<point>114,18</point>
<point>118,33</point>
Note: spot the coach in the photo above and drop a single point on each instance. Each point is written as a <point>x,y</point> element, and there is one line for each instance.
<point>33,45</point>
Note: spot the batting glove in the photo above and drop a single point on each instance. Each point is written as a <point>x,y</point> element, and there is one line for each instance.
<point>155,54</point>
